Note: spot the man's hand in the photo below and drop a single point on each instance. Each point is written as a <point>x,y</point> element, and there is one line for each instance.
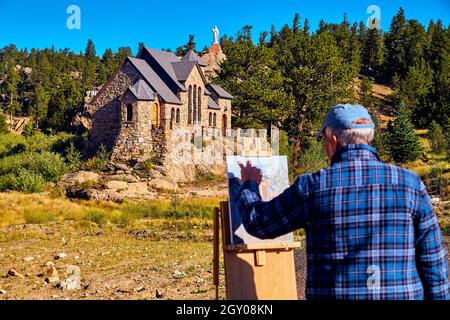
<point>250,173</point>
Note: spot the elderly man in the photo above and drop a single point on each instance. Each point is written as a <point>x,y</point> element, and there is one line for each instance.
<point>371,231</point>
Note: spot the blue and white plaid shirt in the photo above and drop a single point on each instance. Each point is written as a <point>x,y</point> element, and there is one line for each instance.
<point>371,231</point>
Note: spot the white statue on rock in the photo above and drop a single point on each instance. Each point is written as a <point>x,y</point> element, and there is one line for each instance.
<point>216,34</point>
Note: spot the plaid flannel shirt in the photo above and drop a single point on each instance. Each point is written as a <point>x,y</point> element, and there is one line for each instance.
<point>371,231</point>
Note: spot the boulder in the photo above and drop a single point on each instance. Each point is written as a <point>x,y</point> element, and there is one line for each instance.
<point>163,185</point>
<point>116,185</point>
<point>124,177</point>
<point>137,188</point>
<point>121,166</point>
<point>161,169</point>
<point>84,176</point>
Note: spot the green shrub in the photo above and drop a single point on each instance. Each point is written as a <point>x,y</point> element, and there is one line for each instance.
<point>99,161</point>
<point>3,124</point>
<point>23,180</point>
<point>73,156</point>
<point>39,216</point>
<point>49,165</point>
<point>11,144</point>
<point>96,216</point>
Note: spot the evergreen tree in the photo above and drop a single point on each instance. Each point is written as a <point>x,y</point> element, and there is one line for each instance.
<point>414,92</point>
<point>403,143</point>
<point>249,72</point>
<point>39,107</point>
<point>372,53</point>
<point>90,52</point>
<point>365,92</point>
<point>296,23</point>
<point>437,138</point>
<point>190,45</point>
<point>395,51</point>
<point>306,27</point>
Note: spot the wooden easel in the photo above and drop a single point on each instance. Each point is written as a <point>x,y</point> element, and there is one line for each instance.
<point>263,271</point>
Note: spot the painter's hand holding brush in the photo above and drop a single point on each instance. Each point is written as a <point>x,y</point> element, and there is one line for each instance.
<point>248,172</point>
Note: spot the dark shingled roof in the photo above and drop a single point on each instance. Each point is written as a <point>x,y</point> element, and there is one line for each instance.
<point>142,91</point>
<point>154,81</point>
<point>219,91</point>
<point>212,104</point>
<point>192,56</point>
<point>165,60</point>
<point>183,69</point>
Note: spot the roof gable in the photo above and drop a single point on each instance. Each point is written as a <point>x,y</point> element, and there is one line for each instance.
<point>161,62</point>
<point>154,80</point>
<point>193,56</point>
<point>142,91</point>
<point>183,69</point>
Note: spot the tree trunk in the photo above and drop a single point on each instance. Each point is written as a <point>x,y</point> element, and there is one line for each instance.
<point>298,140</point>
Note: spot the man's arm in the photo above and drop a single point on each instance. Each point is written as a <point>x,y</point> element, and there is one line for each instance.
<point>271,219</point>
<point>430,253</point>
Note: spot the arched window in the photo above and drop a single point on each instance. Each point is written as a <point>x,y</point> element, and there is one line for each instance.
<point>199,113</point>
<point>190,105</point>
<point>155,118</point>
<point>129,112</point>
<point>210,119</point>
<point>214,120</point>
<point>172,117</point>
<point>224,125</point>
<point>178,116</point>
<point>195,104</point>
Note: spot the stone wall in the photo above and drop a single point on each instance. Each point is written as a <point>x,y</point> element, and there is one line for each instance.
<point>135,137</point>
<point>105,110</point>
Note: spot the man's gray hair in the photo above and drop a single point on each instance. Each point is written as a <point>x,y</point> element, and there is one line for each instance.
<point>351,136</point>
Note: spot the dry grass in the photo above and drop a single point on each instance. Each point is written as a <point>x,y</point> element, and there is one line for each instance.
<point>19,208</point>
<point>124,251</point>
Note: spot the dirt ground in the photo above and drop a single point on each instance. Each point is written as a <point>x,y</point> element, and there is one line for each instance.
<point>113,264</point>
<point>163,263</point>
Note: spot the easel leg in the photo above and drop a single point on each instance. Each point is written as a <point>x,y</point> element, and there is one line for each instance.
<point>216,252</point>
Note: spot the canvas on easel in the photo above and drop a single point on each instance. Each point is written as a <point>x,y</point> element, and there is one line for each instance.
<point>274,171</point>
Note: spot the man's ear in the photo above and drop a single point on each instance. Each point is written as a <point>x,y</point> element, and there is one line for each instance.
<point>334,142</point>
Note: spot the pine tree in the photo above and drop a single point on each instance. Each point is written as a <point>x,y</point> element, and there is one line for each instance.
<point>437,138</point>
<point>90,52</point>
<point>372,53</point>
<point>306,27</point>
<point>190,45</point>
<point>365,92</point>
<point>250,74</point>
<point>296,23</point>
<point>395,51</point>
<point>39,107</point>
<point>414,92</point>
<point>403,143</point>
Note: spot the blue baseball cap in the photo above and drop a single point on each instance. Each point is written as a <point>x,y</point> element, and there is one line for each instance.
<point>347,116</point>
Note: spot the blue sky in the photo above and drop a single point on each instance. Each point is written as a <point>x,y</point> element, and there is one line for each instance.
<point>167,23</point>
